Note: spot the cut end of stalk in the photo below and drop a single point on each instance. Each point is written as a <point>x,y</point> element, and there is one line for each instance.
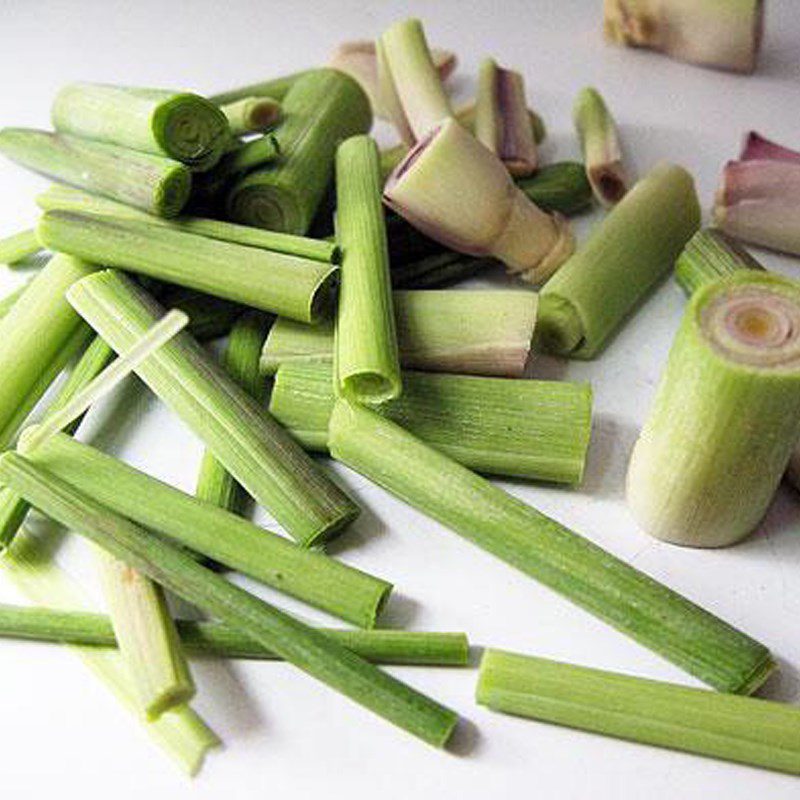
<point>324,295</point>
<point>609,182</point>
<point>370,388</point>
<point>559,329</point>
<point>266,206</point>
<point>191,130</point>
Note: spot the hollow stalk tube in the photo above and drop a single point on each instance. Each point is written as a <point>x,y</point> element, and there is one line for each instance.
<point>252,115</point>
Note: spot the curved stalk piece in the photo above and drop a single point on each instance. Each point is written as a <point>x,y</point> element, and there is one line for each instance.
<point>252,115</point>
<point>18,247</point>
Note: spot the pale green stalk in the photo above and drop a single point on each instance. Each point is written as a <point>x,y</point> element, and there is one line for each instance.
<point>276,88</point>
<point>526,539</point>
<point>473,332</point>
<point>18,247</point>
<point>8,301</point>
<point>252,114</point>
<point>741,729</point>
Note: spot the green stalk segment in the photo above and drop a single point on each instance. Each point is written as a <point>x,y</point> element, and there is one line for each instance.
<point>252,114</point>
<point>308,575</point>
<point>367,363</point>
<point>528,429</point>
<point>154,184</point>
<point>626,255</point>
<point>254,448</point>
<point>215,485</point>
<point>65,198</point>
<point>741,729</point>
<point>18,247</point>
<point>276,88</point>
<point>726,415</point>
<point>710,256</point>
<point>322,108</point>
<point>8,302</point>
<point>179,125</point>
<point>318,655</point>
<point>561,187</point>
<point>436,331</point>
<point>209,188</point>
<point>590,577</point>
<point>216,639</point>
<point>294,287</point>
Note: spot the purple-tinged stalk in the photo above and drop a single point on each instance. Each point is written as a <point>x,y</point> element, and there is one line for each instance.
<point>758,148</point>
<point>457,192</point>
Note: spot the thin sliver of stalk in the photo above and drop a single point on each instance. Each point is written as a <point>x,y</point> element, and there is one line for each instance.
<point>252,114</point>
<point>18,247</point>
<point>277,88</point>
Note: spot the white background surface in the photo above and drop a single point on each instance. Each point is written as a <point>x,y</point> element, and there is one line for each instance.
<point>61,734</point>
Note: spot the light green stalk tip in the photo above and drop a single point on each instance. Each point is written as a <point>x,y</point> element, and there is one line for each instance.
<point>18,247</point>
<point>252,115</point>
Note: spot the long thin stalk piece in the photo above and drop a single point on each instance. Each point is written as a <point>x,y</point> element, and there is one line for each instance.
<point>18,247</point>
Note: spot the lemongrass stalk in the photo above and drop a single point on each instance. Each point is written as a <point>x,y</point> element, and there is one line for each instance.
<point>218,640</point>
<point>449,171</point>
<point>359,60</point>
<point>321,109</point>
<point>366,359</point>
<point>7,302</point>
<point>466,114</point>
<point>18,247</point>
<point>154,184</point>
<point>436,332</point>
<point>561,187</point>
<point>38,336</point>
<point>725,34</point>
<point>742,729</point>
<point>65,198</point>
<point>602,154</point>
<point>276,88</point>
<point>758,148</point>
<point>502,123</point>
<point>294,287</point>
<point>537,430</point>
<point>180,732</point>
<point>319,656</point>
<point>252,115</point>
<point>438,271</point>
<point>583,305</point>
<point>147,637</point>
<point>726,415</point>
<point>710,256</point>
<point>409,81</point>
<point>274,560</point>
<point>215,484</point>
<point>179,125</point>
<point>592,578</point>
<point>242,435</point>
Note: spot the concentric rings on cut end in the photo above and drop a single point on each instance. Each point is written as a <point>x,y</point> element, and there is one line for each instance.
<point>192,130</point>
<point>173,192</point>
<point>264,205</point>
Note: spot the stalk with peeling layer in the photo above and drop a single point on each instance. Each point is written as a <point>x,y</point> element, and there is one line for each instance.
<point>592,578</point>
<point>252,115</point>
<point>294,287</point>
<point>726,415</point>
<point>523,428</point>
<point>583,305</point>
<point>152,183</point>
<point>319,656</point>
<point>366,359</point>
<point>179,125</point>
<point>436,331</point>
<point>602,154</point>
<point>254,448</point>
<point>18,247</point>
<point>321,109</point>
<point>448,171</point>
<point>725,34</point>
<point>502,123</point>
<point>741,729</point>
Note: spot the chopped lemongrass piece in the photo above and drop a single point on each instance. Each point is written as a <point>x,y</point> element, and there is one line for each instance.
<point>465,114</point>
<point>319,656</point>
<point>438,270</point>
<point>294,287</point>
<point>746,730</point>
<point>710,256</point>
<point>758,148</point>
<point>277,88</point>
<point>18,247</point>
<point>502,123</point>
<point>561,187</point>
<point>367,365</point>
<point>529,429</point>
<point>726,415</point>
<point>602,154</point>
<point>241,361</point>
<point>8,301</point>
<point>436,331</point>
<point>586,301</point>
<point>360,61</point>
<point>155,337</point>
<point>65,198</point>
<point>148,640</point>
<point>252,114</point>
<point>625,598</point>
<point>254,448</point>
<point>215,639</point>
<point>180,732</point>
<point>209,188</point>
<point>449,171</point>
<point>38,336</point>
<point>152,183</point>
<point>276,561</point>
<point>410,81</point>
<point>322,108</point>
<point>179,125</point>
<point>725,34</point>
